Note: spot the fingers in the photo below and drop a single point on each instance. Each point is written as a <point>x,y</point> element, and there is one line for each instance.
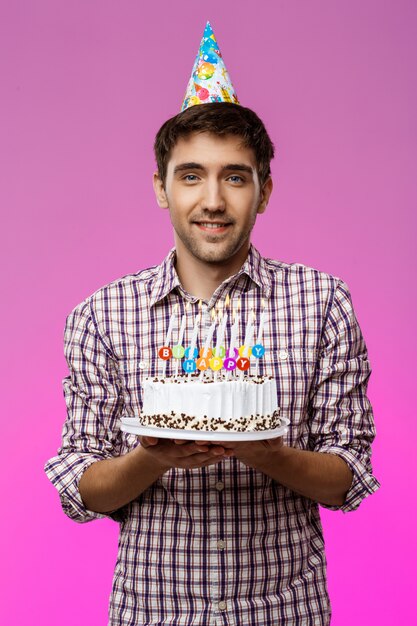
<point>226,446</point>
<point>148,441</point>
<point>200,447</point>
<point>193,449</point>
<point>185,454</point>
<point>275,444</point>
<point>207,462</point>
<point>191,455</point>
<point>202,460</point>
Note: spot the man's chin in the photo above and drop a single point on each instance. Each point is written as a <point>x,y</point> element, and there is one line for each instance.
<point>221,250</point>
<point>214,253</point>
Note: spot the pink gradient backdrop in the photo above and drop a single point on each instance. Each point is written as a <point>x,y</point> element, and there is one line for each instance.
<point>84,87</point>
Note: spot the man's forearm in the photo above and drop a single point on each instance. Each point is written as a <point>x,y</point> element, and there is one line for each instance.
<point>110,484</point>
<point>322,477</point>
<point>107,485</point>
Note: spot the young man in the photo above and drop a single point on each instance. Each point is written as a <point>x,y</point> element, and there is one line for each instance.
<point>217,533</point>
<point>224,533</point>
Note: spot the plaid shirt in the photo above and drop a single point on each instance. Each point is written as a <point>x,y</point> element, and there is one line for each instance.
<point>224,544</point>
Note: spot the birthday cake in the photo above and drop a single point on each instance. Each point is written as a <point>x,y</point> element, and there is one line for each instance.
<point>237,405</point>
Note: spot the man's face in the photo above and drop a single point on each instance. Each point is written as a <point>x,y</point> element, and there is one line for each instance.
<point>213,194</point>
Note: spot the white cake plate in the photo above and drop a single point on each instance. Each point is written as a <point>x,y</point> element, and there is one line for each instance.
<point>132,426</point>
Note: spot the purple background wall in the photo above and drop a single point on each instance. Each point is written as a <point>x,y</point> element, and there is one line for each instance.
<point>84,87</point>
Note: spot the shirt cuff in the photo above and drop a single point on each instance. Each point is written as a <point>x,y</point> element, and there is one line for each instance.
<point>363,483</point>
<point>65,472</point>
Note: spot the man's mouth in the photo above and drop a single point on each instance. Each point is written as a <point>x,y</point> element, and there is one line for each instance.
<point>217,227</point>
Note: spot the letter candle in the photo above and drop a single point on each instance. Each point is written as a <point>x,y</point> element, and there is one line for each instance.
<point>208,339</point>
<point>260,332</point>
<point>221,329</point>
<point>181,333</point>
<point>194,337</point>
<point>233,337</point>
<point>248,340</point>
<point>168,336</point>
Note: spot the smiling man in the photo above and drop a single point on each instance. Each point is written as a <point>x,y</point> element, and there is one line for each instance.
<point>213,205</point>
<point>226,532</point>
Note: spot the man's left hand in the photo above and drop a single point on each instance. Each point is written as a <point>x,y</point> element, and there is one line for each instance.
<point>251,453</point>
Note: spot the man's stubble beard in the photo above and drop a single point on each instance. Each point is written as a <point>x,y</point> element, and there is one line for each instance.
<point>215,256</point>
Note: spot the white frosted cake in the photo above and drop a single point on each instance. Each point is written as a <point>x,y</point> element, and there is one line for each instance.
<point>233,405</point>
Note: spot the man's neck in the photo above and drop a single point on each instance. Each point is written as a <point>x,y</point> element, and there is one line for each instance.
<point>200,278</point>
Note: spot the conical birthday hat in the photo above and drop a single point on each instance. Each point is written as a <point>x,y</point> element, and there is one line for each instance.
<point>209,81</point>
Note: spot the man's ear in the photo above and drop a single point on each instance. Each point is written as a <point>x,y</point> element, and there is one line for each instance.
<point>159,190</point>
<point>265,195</point>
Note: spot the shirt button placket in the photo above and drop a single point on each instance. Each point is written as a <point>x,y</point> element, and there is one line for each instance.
<point>213,570</point>
<point>218,545</point>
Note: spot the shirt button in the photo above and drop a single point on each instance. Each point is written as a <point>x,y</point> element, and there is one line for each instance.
<point>219,486</point>
<point>142,365</point>
<point>222,605</point>
<point>221,544</point>
<point>283,355</point>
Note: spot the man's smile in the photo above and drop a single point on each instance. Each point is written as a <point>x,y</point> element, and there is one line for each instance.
<point>213,193</point>
<point>217,227</point>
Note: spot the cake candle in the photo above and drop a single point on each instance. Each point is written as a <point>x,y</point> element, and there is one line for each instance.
<point>234,333</point>
<point>209,339</point>
<point>181,333</point>
<point>221,329</point>
<point>260,332</point>
<point>248,340</point>
<point>194,335</point>
<point>168,335</point>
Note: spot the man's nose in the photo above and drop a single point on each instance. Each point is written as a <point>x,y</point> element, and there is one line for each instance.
<point>213,199</point>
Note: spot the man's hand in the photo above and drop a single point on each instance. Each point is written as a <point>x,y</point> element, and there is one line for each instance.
<point>320,476</point>
<point>110,484</point>
<point>184,454</point>
<point>252,453</point>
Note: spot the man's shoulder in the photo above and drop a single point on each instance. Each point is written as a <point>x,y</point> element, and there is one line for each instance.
<point>296,272</point>
<point>303,283</point>
<point>141,279</point>
<point>131,285</point>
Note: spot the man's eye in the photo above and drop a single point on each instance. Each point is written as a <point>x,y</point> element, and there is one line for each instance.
<point>236,179</point>
<point>190,177</point>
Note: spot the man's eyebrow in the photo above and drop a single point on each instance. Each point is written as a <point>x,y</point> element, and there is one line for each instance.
<point>187,166</point>
<point>235,167</point>
<point>238,167</point>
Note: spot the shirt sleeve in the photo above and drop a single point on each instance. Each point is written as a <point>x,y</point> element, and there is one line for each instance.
<point>341,416</point>
<point>94,404</point>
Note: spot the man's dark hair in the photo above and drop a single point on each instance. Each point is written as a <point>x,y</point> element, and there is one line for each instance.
<point>219,118</point>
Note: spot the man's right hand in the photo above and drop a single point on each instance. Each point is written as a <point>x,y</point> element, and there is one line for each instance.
<point>169,453</point>
<point>110,484</point>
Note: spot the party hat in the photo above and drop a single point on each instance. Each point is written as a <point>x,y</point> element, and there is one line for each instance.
<point>209,81</point>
